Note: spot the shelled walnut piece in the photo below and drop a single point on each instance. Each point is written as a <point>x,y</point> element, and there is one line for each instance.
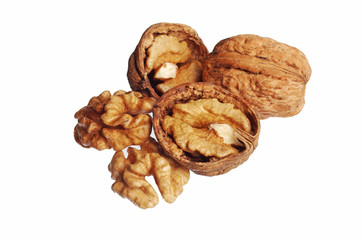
<point>205,128</point>
<point>270,76</point>
<point>168,54</point>
<point>129,175</point>
<point>114,121</point>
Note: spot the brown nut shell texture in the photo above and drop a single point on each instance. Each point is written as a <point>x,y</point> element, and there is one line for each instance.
<point>129,175</point>
<point>270,76</point>
<point>205,128</point>
<point>114,121</point>
<point>168,54</point>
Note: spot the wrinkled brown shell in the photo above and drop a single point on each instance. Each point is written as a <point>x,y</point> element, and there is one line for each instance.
<point>194,91</point>
<point>137,75</point>
<point>270,76</point>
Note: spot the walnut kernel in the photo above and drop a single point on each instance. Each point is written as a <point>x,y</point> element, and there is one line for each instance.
<point>129,175</point>
<point>114,121</point>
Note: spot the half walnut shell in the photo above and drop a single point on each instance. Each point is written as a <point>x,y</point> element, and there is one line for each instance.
<point>168,54</point>
<point>205,128</point>
<point>270,76</point>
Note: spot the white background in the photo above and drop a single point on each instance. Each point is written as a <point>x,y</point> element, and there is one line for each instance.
<point>304,181</point>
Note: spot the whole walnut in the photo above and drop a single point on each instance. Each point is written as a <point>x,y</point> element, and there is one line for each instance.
<point>270,76</point>
<point>168,54</point>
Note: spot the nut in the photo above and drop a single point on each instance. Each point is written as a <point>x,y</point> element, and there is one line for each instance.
<point>165,43</point>
<point>114,121</point>
<point>184,121</point>
<point>270,76</point>
<point>129,175</point>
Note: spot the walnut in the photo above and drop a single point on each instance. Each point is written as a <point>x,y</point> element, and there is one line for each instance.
<point>167,55</point>
<point>129,175</point>
<point>270,76</point>
<point>197,124</point>
<point>114,121</point>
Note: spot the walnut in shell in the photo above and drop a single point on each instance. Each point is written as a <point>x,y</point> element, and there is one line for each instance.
<point>168,54</point>
<point>205,128</point>
<point>270,76</point>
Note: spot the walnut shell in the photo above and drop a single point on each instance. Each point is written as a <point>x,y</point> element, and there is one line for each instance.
<point>270,76</point>
<point>194,91</point>
<point>139,76</point>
